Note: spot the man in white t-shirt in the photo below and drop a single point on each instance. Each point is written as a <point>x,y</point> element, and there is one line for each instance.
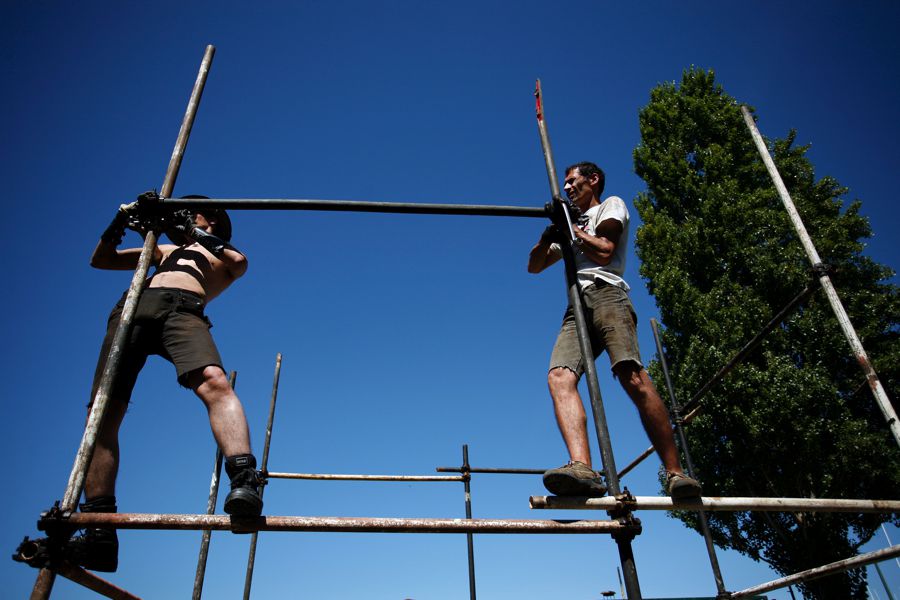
<point>602,229</point>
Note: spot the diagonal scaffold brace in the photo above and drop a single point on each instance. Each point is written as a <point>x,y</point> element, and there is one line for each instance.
<point>559,212</point>
<point>44,583</point>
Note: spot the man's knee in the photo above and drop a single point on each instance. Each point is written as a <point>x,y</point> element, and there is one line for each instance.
<point>631,376</point>
<point>561,379</point>
<point>211,378</point>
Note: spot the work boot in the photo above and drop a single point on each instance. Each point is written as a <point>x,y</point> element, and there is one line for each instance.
<point>96,549</point>
<point>244,499</point>
<point>679,485</point>
<point>574,479</point>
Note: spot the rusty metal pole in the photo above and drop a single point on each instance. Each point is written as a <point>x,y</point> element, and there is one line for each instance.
<point>856,346</point>
<point>44,584</point>
<point>210,510</point>
<point>470,545</point>
<point>590,370</point>
<point>679,429</point>
<point>251,558</point>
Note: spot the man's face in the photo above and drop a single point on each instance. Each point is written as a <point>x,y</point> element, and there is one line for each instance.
<point>578,189</point>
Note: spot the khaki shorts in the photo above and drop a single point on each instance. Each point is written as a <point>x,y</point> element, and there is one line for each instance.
<point>168,322</point>
<point>612,326</point>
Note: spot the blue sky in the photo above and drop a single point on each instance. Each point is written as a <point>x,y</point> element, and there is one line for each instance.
<point>403,337</point>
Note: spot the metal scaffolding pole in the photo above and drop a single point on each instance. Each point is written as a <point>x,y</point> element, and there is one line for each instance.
<point>679,430</point>
<point>829,569</point>
<point>718,504</point>
<point>341,477</point>
<point>338,524</point>
<point>251,557</point>
<point>470,545</point>
<point>856,346</point>
<point>495,471</point>
<point>210,509</point>
<point>414,208</point>
<point>623,542</point>
<point>693,404</point>
<point>93,582</point>
<point>44,583</point>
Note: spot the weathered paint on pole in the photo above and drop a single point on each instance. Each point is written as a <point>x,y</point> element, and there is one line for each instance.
<point>94,583</point>
<point>251,557</point>
<point>213,497</point>
<point>180,522</point>
<point>856,346</point>
<point>829,569</point>
<point>720,504</point>
<point>44,584</point>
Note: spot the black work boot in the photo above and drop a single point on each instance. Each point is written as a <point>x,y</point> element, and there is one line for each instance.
<point>244,499</point>
<point>96,549</point>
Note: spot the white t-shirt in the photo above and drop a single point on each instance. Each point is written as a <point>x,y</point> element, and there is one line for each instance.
<point>590,272</point>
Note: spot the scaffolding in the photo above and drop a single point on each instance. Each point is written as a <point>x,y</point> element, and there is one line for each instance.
<point>60,521</point>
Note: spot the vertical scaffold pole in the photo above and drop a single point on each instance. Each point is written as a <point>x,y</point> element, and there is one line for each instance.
<point>44,584</point>
<point>623,542</point>
<point>200,575</point>
<point>843,319</point>
<point>251,557</point>
<point>470,544</point>
<point>679,429</point>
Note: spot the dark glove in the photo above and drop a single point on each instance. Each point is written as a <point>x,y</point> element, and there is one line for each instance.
<point>116,229</point>
<point>550,235</point>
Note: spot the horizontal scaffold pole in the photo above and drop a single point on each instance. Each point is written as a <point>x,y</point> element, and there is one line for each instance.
<point>356,206</point>
<point>340,524</point>
<point>489,470</point>
<point>718,503</point>
<point>829,569</point>
<point>340,477</point>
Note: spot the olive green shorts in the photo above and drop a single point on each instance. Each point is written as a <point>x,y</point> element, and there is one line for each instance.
<point>612,326</point>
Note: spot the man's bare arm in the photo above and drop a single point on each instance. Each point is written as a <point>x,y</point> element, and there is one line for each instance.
<point>600,246</point>
<point>541,256</point>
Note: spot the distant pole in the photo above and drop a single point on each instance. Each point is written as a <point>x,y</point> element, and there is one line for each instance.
<point>467,477</point>
<point>679,429</point>
<point>44,584</point>
<point>251,558</point>
<point>843,319</point>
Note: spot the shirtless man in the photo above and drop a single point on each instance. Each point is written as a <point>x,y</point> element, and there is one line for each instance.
<point>169,321</point>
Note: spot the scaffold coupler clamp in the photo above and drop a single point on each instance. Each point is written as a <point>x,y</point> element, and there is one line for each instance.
<point>724,596</point>
<point>821,269</point>
<point>47,552</point>
<point>625,505</point>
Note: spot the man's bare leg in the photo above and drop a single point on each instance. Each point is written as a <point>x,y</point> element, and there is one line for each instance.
<point>226,414</point>
<point>100,479</point>
<point>229,427</point>
<point>570,415</point>
<point>655,419</point>
<point>576,478</point>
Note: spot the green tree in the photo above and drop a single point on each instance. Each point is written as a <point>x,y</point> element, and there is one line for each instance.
<point>721,258</point>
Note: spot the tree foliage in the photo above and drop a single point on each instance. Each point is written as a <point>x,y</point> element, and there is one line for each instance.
<point>720,255</point>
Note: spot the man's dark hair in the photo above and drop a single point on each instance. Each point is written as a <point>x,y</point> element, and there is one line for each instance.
<point>222,226</point>
<point>587,169</point>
